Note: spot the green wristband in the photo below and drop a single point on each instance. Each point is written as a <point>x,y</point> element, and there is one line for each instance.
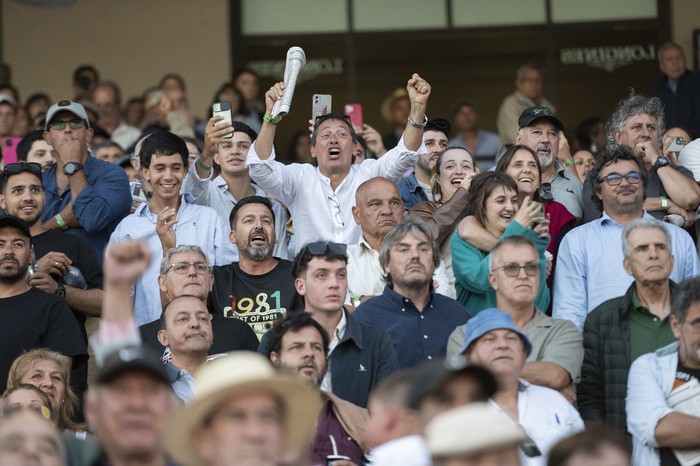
<point>60,222</point>
<point>201,165</point>
<point>272,121</point>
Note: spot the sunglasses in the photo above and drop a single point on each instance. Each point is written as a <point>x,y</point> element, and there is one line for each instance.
<point>331,116</point>
<point>21,167</point>
<point>319,248</point>
<point>58,125</point>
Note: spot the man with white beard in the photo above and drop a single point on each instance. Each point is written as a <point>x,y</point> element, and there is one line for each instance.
<point>540,130</point>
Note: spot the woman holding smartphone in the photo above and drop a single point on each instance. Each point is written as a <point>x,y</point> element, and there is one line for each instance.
<point>493,198</point>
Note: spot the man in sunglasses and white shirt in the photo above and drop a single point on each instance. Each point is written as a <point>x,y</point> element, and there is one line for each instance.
<point>321,198</point>
<point>85,196</point>
<point>589,263</point>
<point>557,348</point>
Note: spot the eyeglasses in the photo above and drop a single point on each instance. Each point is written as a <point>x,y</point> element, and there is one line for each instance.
<point>337,213</point>
<point>58,125</point>
<point>513,270</point>
<point>615,179</point>
<point>183,267</point>
<point>20,167</point>
<point>320,248</point>
<point>331,116</point>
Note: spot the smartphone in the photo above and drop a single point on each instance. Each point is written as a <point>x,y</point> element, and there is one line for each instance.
<point>540,210</point>
<point>354,111</point>
<point>223,109</point>
<point>677,144</point>
<point>9,149</point>
<point>320,105</point>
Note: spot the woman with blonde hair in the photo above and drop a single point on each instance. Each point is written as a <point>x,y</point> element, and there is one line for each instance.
<point>50,372</point>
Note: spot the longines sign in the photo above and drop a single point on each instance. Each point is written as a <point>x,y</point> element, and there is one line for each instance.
<point>608,58</point>
<point>313,68</point>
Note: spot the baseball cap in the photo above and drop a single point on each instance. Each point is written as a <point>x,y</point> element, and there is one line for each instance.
<point>489,320</point>
<point>66,106</point>
<point>132,359</point>
<point>15,222</point>
<point>6,99</point>
<point>535,113</point>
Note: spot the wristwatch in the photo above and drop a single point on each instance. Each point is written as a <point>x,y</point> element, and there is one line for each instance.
<point>660,162</point>
<point>60,291</point>
<point>71,167</point>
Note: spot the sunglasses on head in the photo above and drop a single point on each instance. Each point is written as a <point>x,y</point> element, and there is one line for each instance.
<point>20,167</point>
<point>319,248</point>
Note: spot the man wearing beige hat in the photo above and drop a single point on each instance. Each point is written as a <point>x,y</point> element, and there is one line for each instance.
<point>244,412</point>
<point>474,434</point>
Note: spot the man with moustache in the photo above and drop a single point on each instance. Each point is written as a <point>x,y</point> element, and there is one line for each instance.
<point>321,198</point>
<point>259,288</point>
<point>418,320</point>
<point>300,344</point>
<point>85,196</point>
<point>55,253</point>
<point>31,317</point>
<point>415,187</point>
<point>169,219</point>
<point>185,270</point>
<point>233,184</point>
<point>590,260</point>
<point>638,123</point>
<point>540,130</point>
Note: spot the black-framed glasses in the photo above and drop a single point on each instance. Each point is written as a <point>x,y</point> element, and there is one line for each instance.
<point>20,167</point>
<point>512,270</point>
<point>183,267</point>
<point>58,125</point>
<point>331,116</point>
<point>319,248</point>
<point>614,179</point>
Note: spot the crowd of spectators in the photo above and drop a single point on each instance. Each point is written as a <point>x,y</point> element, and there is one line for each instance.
<point>175,294</point>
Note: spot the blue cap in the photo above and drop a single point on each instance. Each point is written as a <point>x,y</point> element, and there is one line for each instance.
<point>489,320</point>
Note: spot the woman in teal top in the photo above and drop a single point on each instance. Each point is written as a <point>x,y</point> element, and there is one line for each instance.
<point>493,198</point>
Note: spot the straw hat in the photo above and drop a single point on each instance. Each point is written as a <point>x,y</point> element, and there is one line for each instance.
<point>399,93</point>
<point>471,429</point>
<point>242,372</point>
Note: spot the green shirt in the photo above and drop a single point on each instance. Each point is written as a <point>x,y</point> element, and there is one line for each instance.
<point>647,332</point>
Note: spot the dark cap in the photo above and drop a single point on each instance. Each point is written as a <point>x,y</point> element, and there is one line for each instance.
<point>535,113</point>
<point>16,222</point>
<point>432,376</point>
<point>439,124</point>
<point>132,359</point>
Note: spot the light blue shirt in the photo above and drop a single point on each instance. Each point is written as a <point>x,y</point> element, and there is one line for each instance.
<point>197,225</point>
<point>182,382</point>
<point>215,194</point>
<point>590,271</point>
<point>650,381</point>
<point>488,144</point>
